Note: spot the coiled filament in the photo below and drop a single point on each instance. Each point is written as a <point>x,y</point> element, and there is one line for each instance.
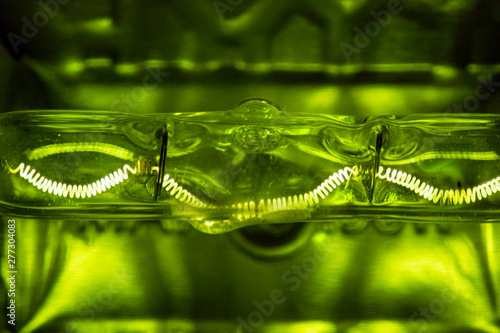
<point>245,210</point>
<point>297,202</point>
<point>181,194</point>
<point>77,191</point>
<point>141,167</point>
<point>72,147</point>
<point>431,193</point>
<point>457,155</point>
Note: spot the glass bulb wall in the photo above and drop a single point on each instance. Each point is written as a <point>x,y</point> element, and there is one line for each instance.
<point>254,164</point>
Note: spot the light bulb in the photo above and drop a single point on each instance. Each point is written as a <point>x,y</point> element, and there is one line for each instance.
<point>255,164</point>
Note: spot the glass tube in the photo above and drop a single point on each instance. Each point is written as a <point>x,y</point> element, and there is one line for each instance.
<point>254,164</point>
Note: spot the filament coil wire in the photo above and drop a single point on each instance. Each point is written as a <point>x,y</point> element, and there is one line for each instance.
<point>77,191</point>
<point>72,147</point>
<point>431,193</point>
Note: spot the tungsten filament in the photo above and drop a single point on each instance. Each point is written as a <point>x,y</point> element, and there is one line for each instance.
<point>72,147</point>
<point>249,209</point>
<point>450,197</point>
<point>257,207</point>
<point>77,191</point>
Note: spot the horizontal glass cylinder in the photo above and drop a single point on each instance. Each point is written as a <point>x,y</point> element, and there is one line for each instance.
<point>254,164</point>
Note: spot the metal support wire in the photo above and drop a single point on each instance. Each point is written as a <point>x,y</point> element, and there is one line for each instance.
<point>163,160</point>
